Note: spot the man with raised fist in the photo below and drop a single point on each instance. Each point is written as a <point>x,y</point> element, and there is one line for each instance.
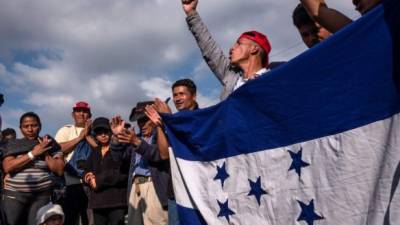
<point>248,57</point>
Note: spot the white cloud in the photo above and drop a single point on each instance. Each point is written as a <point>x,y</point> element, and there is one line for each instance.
<point>172,53</point>
<point>206,101</point>
<point>11,119</point>
<point>3,70</point>
<point>49,100</point>
<point>201,71</point>
<point>156,87</point>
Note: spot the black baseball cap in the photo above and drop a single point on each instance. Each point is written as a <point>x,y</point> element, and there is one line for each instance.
<point>137,112</point>
<point>101,123</point>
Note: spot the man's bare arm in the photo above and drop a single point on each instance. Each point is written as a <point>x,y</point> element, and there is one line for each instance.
<point>152,112</point>
<point>329,18</point>
<point>68,146</point>
<point>162,143</point>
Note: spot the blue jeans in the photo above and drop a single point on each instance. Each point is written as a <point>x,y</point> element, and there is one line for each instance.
<point>173,218</point>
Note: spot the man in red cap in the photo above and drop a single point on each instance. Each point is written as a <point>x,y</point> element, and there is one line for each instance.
<point>248,57</point>
<point>69,136</point>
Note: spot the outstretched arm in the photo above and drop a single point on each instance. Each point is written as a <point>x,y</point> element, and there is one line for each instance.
<point>330,19</point>
<point>212,53</point>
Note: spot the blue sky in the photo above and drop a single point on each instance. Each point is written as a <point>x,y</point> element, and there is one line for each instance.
<point>115,53</point>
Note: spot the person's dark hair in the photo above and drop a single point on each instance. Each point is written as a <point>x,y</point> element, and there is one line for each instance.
<point>8,131</point>
<point>264,57</point>
<point>188,83</point>
<point>300,16</point>
<point>30,114</point>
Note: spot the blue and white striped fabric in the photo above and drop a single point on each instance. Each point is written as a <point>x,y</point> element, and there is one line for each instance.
<point>316,141</point>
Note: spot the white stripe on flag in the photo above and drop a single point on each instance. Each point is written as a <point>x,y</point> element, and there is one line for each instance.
<point>349,179</point>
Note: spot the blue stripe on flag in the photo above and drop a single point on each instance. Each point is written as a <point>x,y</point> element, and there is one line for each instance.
<point>343,83</point>
<point>189,216</point>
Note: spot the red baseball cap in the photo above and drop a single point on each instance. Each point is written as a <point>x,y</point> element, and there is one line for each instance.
<point>81,105</point>
<point>260,39</point>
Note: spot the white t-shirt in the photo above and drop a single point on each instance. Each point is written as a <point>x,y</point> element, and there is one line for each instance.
<point>65,134</point>
<point>68,133</point>
<point>243,80</point>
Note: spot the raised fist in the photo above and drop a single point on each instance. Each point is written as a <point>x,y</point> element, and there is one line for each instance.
<point>189,6</point>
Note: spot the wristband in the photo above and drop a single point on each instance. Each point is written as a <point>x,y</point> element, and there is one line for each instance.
<point>31,156</point>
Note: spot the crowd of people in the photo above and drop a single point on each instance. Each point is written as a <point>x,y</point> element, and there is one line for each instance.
<point>102,171</point>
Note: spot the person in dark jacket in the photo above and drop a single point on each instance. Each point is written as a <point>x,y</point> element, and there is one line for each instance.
<point>107,178</point>
<point>149,176</point>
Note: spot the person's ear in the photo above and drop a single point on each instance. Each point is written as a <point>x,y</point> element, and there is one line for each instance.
<point>254,49</point>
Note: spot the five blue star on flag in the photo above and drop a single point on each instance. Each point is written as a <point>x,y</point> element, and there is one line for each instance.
<point>307,214</point>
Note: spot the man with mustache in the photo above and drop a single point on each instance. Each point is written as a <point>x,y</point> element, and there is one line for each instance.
<point>248,57</point>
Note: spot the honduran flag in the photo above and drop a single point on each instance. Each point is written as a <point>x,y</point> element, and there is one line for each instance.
<point>316,141</point>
